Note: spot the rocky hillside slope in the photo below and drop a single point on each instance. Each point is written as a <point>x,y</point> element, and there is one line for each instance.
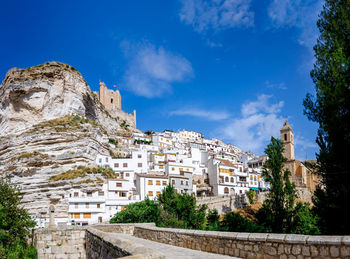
<point>51,123</point>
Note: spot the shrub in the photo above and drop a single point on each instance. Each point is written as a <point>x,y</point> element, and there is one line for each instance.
<point>139,212</point>
<point>236,223</point>
<point>251,196</point>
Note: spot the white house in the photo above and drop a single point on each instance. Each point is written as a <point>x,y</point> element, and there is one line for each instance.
<point>150,185</point>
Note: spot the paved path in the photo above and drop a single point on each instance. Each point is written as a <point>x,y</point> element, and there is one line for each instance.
<point>173,252</point>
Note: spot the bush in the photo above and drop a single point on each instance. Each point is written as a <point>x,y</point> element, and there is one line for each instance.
<point>139,212</point>
<point>236,223</point>
<point>251,196</point>
<point>304,221</point>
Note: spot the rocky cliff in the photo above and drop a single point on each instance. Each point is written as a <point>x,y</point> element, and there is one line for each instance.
<point>51,129</point>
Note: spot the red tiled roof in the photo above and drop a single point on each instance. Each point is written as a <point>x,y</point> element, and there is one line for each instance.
<point>226,162</point>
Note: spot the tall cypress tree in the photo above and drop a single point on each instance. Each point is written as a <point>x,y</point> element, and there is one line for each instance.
<point>331,110</point>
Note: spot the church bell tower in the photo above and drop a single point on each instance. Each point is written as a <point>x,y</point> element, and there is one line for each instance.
<point>287,139</point>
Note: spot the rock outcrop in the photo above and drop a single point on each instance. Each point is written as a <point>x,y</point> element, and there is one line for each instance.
<point>51,122</point>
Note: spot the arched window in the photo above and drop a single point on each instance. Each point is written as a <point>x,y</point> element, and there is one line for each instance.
<point>226,179</point>
<point>231,179</point>
<point>111,100</point>
<point>232,191</point>
<point>225,190</point>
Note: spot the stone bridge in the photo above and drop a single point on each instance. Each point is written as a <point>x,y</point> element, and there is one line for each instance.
<point>149,241</point>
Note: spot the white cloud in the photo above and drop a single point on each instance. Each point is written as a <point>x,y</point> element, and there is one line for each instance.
<point>301,14</point>
<point>217,14</point>
<point>259,120</point>
<point>195,112</point>
<point>261,105</point>
<point>152,70</point>
<point>280,86</point>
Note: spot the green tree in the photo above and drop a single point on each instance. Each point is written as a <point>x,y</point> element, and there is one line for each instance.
<point>304,221</point>
<point>139,212</point>
<point>277,210</point>
<point>236,223</point>
<point>15,223</point>
<point>180,210</point>
<point>331,110</point>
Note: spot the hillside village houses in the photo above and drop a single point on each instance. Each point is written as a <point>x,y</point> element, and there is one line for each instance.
<point>184,159</point>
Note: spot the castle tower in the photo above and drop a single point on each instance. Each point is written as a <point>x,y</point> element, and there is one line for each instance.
<point>109,98</point>
<point>287,138</point>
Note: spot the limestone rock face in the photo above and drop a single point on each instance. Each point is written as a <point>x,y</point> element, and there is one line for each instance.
<point>45,92</point>
<point>51,122</point>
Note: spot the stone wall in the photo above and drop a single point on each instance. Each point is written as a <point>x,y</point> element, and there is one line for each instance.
<point>102,242</point>
<point>222,203</point>
<point>250,245</point>
<point>65,243</point>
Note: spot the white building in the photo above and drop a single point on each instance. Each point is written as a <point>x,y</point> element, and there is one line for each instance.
<point>190,136</point>
<point>150,185</point>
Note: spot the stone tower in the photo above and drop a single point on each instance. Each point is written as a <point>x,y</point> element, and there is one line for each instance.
<point>287,138</point>
<point>109,98</point>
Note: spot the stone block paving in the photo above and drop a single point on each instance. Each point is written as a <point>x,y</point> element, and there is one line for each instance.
<point>172,252</point>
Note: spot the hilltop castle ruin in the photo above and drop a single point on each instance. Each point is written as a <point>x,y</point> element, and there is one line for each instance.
<point>111,100</point>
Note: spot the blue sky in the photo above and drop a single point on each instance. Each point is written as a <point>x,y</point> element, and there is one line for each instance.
<point>231,69</point>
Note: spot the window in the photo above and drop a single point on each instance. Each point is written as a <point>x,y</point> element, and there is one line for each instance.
<point>123,194</point>
<point>127,174</point>
<point>240,169</point>
<point>101,193</point>
<point>139,156</point>
<point>87,205</point>
<point>150,193</point>
<point>232,180</point>
<point>161,166</point>
<point>77,215</point>
<point>226,190</point>
<point>116,165</point>
<point>122,208</point>
<point>240,191</point>
<point>111,100</point>
<point>172,169</point>
<point>87,215</point>
<point>158,193</point>
<point>164,182</point>
<point>172,182</point>
<point>76,194</point>
<point>76,205</point>
<point>181,169</point>
<point>251,177</point>
<point>89,194</point>
<point>187,170</point>
<point>119,184</point>
<point>186,182</point>
<point>157,182</point>
<point>285,136</point>
<point>226,179</point>
<point>98,205</point>
<point>150,182</point>
<point>139,164</point>
<point>125,164</point>
<point>182,182</point>
<point>107,159</point>
<point>100,160</point>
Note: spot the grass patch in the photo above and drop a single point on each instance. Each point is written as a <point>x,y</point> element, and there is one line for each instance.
<point>67,123</point>
<point>82,171</point>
